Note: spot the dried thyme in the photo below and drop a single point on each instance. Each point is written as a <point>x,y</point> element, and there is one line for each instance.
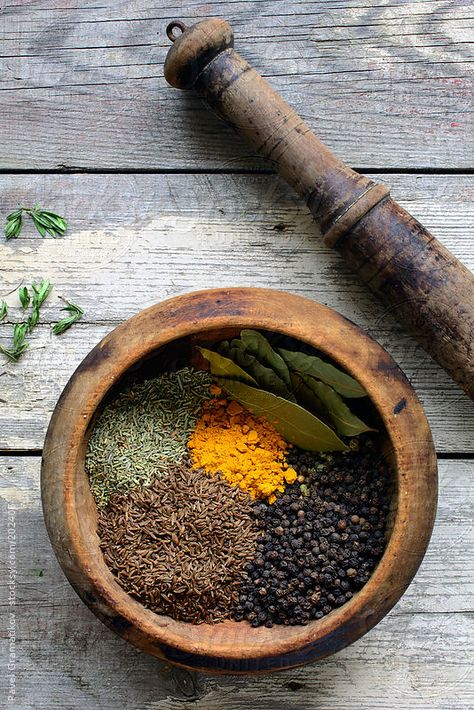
<point>45,221</point>
<point>41,292</point>
<point>143,431</point>
<point>75,314</point>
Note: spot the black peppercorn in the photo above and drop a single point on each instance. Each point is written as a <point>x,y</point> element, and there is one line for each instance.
<point>316,550</point>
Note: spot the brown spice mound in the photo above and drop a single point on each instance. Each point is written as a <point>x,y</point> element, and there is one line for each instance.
<point>180,546</point>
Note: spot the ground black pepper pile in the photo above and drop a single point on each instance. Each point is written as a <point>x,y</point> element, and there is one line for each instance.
<point>320,541</point>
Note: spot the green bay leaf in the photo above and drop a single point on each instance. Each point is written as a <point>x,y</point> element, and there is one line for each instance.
<point>258,346</point>
<point>306,397</point>
<point>266,377</point>
<point>346,423</point>
<point>222,366</point>
<point>311,365</point>
<point>296,424</point>
<point>223,348</point>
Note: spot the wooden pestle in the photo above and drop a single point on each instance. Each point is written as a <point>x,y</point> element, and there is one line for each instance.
<point>420,281</point>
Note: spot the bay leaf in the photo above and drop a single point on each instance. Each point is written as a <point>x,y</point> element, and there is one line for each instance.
<point>266,377</point>
<point>312,365</point>
<point>238,353</point>
<point>257,345</point>
<point>293,422</point>
<point>223,348</point>
<point>306,397</point>
<point>225,367</point>
<point>346,423</point>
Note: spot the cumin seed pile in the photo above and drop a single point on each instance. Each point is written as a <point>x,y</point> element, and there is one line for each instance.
<point>180,546</point>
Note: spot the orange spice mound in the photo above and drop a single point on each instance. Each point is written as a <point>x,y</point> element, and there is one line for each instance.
<point>247,450</point>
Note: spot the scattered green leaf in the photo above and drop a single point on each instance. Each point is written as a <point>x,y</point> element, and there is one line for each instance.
<point>45,221</point>
<point>19,334</point>
<point>3,310</point>
<point>19,343</point>
<point>13,226</point>
<point>21,330</point>
<point>296,424</point>
<point>75,314</point>
<point>24,295</point>
<point>311,365</point>
<point>41,292</point>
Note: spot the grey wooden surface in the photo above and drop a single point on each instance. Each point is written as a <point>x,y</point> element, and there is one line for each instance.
<point>165,201</point>
<point>84,81</point>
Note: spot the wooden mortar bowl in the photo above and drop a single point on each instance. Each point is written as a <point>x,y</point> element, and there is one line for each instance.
<point>70,512</point>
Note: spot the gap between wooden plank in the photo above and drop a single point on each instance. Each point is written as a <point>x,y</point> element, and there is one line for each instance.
<point>23,452</point>
<point>79,170</point>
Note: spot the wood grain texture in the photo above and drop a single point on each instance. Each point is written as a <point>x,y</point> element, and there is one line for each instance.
<point>383,84</point>
<point>419,656</point>
<point>416,277</point>
<point>137,239</point>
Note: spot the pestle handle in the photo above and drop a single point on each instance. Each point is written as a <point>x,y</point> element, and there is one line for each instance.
<point>418,279</point>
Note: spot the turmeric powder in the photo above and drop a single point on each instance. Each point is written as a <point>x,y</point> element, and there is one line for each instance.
<point>247,450</point>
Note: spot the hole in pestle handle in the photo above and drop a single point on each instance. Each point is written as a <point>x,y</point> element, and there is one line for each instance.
<point>175,25</point>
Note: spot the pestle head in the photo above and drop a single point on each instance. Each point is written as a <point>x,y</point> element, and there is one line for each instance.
<point>195,47</point>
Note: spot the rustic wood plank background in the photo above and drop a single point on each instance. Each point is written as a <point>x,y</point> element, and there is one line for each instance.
<point>84,81</point>
<point>164,200</point>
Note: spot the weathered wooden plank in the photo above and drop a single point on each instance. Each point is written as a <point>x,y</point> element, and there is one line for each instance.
<point>69,661</point>
<point>384,84</point>
<point>136,239</point>
<point>420,654</point>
